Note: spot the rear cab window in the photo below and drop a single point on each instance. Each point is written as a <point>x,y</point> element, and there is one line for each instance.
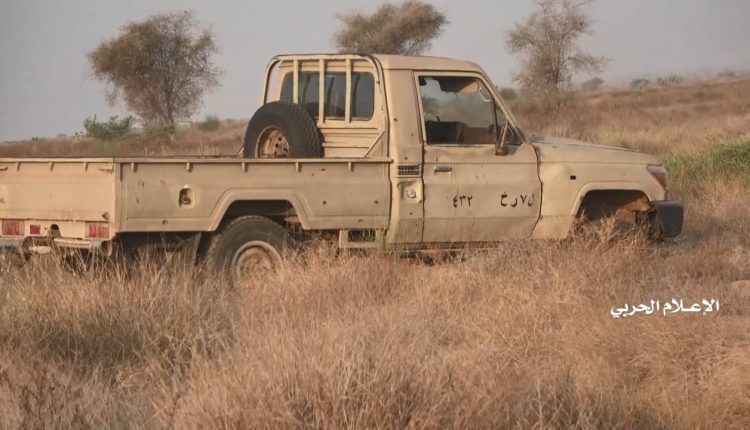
<point>342,93</point>
<point>362,94</point>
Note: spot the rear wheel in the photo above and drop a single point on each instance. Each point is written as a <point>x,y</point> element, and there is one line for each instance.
<point>246,248</point>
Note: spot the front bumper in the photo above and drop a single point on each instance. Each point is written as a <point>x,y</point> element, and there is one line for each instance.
<point>669,217</point>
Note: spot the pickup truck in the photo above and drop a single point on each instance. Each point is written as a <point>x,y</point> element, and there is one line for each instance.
<point>392,153</point>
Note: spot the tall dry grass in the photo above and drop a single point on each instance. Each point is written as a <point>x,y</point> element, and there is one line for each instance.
<point>520,336</point>
<point>687,119</point>
<point>516,337</point>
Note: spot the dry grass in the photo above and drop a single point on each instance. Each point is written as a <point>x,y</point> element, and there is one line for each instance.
<point>683,119</point>
<point>227,140</point>
<point>518,337</point>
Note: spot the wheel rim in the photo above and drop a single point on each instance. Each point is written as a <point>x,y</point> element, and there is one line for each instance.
<point>272,143</point>
<point>254,260</point>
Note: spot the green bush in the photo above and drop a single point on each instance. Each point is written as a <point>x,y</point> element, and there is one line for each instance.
<point>724,160</point>
<point>592,84</point>
<point>211,123</point>
<point>110,130</point>
<point>508,93</point>
<point>669,80</point>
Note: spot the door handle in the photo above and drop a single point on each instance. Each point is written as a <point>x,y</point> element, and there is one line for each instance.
<point>443,169</point>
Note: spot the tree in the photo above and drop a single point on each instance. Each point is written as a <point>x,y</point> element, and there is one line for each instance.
<point>160,67</point>
<point>406,29</point>
<point>548,45</point>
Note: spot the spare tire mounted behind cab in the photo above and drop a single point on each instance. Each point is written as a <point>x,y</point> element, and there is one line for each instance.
<point>282,130</point>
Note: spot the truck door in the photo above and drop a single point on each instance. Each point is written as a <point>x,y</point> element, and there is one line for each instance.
<point>470,193</point>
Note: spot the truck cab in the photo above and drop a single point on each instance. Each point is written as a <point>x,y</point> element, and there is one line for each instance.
<point>462,169</point>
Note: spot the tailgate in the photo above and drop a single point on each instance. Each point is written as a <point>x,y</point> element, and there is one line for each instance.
<point>63,193</point>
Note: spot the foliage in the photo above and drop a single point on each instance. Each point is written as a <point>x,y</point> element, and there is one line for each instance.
<point>592,84</point>
<point>508,93</point>
<point>161,67</point>
<point>113,129</point>
<point>640,83</point>
<point>548,45</point>
<point>669,80</point>
<point>406,29</point>
<point>211,123</point>
<point>722,160</point>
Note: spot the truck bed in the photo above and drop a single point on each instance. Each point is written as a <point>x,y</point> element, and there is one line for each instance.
<point>189,194</point>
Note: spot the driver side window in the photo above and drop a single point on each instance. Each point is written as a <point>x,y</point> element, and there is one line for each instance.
<point>458,110</point>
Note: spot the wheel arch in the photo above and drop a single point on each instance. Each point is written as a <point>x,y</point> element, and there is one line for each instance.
<point>273,204</point>
<point>630,196</point>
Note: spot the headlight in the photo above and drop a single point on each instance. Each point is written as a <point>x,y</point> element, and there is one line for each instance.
<point>660,174</point>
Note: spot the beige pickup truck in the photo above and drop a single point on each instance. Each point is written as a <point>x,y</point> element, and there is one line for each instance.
<point>386,152</point>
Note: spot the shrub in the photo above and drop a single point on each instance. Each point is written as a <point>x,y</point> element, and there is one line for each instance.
<point>110,130</point>
<point>720,161</point>
<point>508,93</point>
<point>669,80</point>
<point>592,84</point>
<point>211,123</point>
<point>640,83</point>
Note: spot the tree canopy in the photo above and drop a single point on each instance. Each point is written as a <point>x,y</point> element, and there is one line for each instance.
<point>160,67</point>
<point>406,29</point>
<point>548,43</point>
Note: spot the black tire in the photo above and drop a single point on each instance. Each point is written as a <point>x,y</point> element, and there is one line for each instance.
<point>225,254</point>
<point>293,121</point>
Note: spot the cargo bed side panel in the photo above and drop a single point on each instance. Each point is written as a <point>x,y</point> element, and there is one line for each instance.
<point>163,195</point>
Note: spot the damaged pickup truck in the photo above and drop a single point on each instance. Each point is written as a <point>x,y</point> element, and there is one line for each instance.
<point>386,152</point>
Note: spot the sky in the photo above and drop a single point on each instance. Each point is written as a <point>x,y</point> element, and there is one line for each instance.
<point>46,87</point>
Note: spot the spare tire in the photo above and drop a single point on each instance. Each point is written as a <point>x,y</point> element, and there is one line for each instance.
<point>282,130</point>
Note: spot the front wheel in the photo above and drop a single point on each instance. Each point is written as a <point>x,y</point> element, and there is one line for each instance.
<point>248,247</point>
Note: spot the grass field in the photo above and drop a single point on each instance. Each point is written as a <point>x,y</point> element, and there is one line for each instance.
<point>518,337</point>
